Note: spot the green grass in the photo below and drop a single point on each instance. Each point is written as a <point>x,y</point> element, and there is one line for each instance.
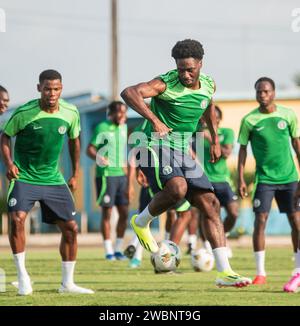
<point>116,284</point>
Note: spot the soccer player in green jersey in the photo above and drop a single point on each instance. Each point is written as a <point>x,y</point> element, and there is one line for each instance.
<point>270,128</point>
<point>4,100</point>
<point>178,100</point>
<point>40,127</point>
<point>108,148</point>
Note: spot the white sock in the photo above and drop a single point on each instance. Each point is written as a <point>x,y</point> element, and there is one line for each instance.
<point>20,264</point>
<point>297,261</point>
<point>108,247</point>
<point>144,218</point>
<point>167,235</point>
<point>67,268</point>
<point>222,262</point>
<point>139,252</point>
<point>134,242</point>
<point>260,262</point>
<point>193,240</point>
<point>118,245</point>
<point>207,246</point>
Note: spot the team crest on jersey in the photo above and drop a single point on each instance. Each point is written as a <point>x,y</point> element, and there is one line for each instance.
<point>256,203</point>
<point>62,130</point>
<point>106,199</point>
<point>204,104</point>
<point>167,170</point>
<point>281,124</point>
<point>12,202</point>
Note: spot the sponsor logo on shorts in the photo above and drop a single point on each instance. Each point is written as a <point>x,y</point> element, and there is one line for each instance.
<point>12,202</point>
<point>256,203</point>
<point>62,130</point>
<point>167,170</point>
<point>106,199</point>
<point>281,124</point>
<point>234,197</point>
<point>203,104</point>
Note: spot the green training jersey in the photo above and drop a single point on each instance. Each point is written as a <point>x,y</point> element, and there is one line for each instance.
<point>110,141</point>
<point>180,109</point>
<point>39,140</point>
<point>218,172</point>
<point>269,135</point>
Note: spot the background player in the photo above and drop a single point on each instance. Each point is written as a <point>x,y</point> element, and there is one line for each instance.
<point>110,138</point>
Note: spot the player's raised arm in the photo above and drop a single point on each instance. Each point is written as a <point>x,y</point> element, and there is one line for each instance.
<point>134,97</point>
<point>211,121</point>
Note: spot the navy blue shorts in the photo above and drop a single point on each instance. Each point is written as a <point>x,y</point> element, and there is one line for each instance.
<point>224,193</point>
<point>163,163</point>
<point>284,196</point>
<point>111,191</point>
<point>56,201</point>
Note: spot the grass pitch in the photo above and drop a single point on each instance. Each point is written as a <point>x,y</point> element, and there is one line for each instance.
<point>116,284</point>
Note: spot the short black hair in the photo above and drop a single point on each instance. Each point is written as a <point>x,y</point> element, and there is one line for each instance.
<point>114,106</point>
<point>49,74</point>
<point>217,108</point>
<point>265,79</point>
<point>188,49</point>
<point>3,89</point>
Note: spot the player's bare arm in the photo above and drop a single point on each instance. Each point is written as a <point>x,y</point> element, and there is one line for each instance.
<point>131,176</point>
<point>242,187</point>
<point>296,146</point>
<point>134,97</point>
<point>91,152</point>
<point>74,149</point>
<point>12,170</point>
<point>211,121</point>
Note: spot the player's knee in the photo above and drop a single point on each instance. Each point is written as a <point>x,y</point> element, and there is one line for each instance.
<point>177,191</point>
<point>260,221</point>
<point>18,221</point>
<point>213,204</point>
<point>71,232</point>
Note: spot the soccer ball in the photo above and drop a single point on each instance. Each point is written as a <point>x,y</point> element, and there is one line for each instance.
<point>167,258</point>
<point>202,260</point>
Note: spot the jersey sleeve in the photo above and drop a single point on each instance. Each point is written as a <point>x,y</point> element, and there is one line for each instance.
<point>13,125</point>
<point>228,137</point>
<point>74,130</point>
<point>244,132</point>
<point>293,126</point>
